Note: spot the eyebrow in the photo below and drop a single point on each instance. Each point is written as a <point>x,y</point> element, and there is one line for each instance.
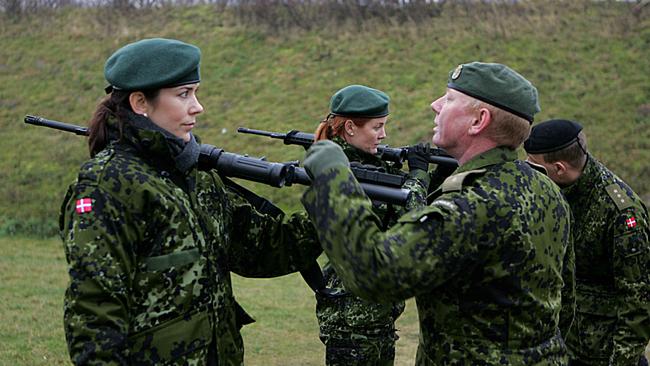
<point>186,87</point>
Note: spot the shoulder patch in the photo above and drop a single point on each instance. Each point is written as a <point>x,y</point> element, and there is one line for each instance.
<point>617,194</point>
<point>455,182</point>
<point>538,167</point>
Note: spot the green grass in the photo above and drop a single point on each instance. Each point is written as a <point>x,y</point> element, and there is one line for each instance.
<point>589,60</point>
<point>33,278</point>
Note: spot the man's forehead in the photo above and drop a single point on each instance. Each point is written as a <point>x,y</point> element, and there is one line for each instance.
<point>457,94</point>
<point>460,96</point>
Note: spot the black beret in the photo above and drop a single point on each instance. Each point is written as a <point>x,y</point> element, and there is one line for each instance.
<point>498,85</point>
<point>153,63</point>
<point>552,135</point>
<point>359,101</point>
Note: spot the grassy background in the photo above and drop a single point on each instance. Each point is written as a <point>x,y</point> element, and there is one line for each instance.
<point>33,279</point>
<point>589,60</point>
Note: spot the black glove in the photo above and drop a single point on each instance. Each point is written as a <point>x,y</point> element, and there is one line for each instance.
<point>418,157</point>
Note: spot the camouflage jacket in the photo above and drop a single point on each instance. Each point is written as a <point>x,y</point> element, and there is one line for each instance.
<point>150,250</point>
<point>612,249</point>
<point>484,260</point>
<point>350,313</point>
<point>417,182</point>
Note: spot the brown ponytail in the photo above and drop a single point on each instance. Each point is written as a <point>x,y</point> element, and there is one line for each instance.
<point>115,105</point>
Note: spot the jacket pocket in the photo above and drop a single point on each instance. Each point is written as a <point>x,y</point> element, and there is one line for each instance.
<point>181,339</point>
<point>176,259</point>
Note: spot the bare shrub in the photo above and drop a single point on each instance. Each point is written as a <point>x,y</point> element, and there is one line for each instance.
<point>276,15</point>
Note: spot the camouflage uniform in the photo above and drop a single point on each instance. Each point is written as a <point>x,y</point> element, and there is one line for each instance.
<point>356,331</point>
<point>612,322</point>
<point>150,250</point>
<point>484,260</point>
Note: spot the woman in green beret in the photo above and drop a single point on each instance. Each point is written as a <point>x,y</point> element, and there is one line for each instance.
<point>151,240</point>
<point>356,331</point>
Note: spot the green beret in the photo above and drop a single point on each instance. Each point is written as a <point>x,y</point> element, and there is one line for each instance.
<point>359,101</point>
<point>552,135</point>
<point>152,64</point>
<point>497,85</point>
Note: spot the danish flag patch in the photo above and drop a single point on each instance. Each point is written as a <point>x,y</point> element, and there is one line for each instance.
<point>631,222</point>
<point>84,205</point>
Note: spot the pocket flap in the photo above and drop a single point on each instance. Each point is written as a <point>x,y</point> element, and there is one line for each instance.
<point>175,259</point>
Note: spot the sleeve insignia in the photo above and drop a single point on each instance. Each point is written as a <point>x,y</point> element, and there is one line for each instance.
<point>84,205</point>
<point>630,222</point>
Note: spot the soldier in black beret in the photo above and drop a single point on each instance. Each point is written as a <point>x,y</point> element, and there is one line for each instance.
<point>610,231</point>
<point>150,239</point>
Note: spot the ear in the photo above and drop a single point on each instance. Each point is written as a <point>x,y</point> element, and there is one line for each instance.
<point>561,168</point>
<point>481,122</point>
<point>138,103</point>
<point>350,127</point>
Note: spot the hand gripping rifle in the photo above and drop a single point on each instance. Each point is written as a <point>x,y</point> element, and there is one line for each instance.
<point>394,154</point>
<point>377,185</point>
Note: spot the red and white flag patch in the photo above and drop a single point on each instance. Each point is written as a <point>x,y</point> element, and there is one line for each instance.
<point>630,222</point>
<point>84,205</point>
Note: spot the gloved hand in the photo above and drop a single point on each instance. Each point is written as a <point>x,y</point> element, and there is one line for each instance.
<point>322,155</point>
<point>418,157</point>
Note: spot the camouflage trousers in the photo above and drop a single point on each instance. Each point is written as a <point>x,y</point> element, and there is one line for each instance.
<point>358,350</point>
<point>355,332</point>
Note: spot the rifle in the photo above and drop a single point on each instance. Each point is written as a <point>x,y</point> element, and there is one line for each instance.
<point>394,154</point>
<point>377,185</point>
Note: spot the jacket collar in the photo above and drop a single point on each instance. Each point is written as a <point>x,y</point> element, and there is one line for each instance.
<point>355,154</point>
<point>491,157</point>
<point>140,133</point>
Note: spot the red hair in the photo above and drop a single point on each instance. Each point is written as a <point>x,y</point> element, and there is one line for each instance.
<point>333,126</point>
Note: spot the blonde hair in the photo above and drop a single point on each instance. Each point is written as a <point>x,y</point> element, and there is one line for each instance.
<point>506,128</point>
<point>333,126</point>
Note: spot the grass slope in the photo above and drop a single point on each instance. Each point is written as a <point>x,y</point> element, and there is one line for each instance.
<point>589,60</point>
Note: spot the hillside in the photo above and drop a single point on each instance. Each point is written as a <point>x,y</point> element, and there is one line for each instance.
<point>589,60</point>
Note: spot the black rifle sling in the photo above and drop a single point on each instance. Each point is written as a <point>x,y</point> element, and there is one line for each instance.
<point>312,274</point>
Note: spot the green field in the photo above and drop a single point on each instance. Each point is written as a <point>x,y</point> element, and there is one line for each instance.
<point>33,279</point>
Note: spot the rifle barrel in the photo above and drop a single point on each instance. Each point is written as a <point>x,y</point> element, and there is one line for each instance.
<point>251,131</point>
<point>40,121</point>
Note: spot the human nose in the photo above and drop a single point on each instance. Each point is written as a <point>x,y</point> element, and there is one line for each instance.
<point>436,105</point>
<point>196,107</point>
<point>382,133</point>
